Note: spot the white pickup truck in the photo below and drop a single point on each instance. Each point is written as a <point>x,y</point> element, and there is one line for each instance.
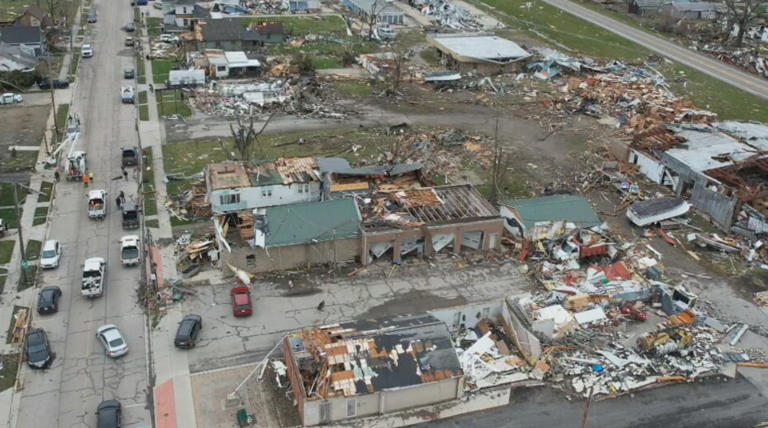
<point>94,271</point>
<point>97,204</point>
<point>129,250</point>
<point>10,98</point>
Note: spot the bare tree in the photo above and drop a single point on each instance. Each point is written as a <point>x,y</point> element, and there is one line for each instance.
<point>743,13</point>
<point>372,18</point>
<point>245,137</point>
<point>498,169</point>
<point>395,73</point>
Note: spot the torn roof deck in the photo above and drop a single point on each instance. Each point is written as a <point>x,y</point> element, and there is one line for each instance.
<point>363,357</point>
<point>478,48</point>
<point>232,175</point>
<point>227,175</point>
<point>707,148</point>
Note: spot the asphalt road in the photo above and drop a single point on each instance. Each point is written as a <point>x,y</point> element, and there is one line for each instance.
<point>734,404</point>
<point>712,67</point>
<point>81,376</point>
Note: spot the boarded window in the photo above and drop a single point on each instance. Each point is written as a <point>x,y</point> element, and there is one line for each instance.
<point>250,260</point>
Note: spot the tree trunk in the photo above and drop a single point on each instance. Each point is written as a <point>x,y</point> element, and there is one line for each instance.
<point>742,30</point>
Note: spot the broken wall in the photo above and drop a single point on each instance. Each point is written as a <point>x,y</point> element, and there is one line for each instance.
<point>518,328</point>
<point>293,256</point>
<point>295,378</point>
<point>265,196</point>
<point>397,399</point>
<point>720,208</point>
<point>467,316</point>
<point>651,168</point>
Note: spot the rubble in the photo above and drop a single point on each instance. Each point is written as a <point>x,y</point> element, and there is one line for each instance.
<point>448,15</point>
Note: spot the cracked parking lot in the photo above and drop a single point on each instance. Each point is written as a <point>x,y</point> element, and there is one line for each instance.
<point>229,341</point>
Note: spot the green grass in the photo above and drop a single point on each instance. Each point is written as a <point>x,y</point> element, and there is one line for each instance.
<point>6,251</point>
<point>46,192</point>
<point>150,204</point>
<point>160,70</point>
<point>429,55</point>
<point>12,321</point>
<point>152,223</point>
<point>148,174</point>
<point>322,62</point>
<point>143,112</point>
<point>9,216</point>
<point>154,26</point>
<point>300,26</point>
<point>62,111</point>
<point>142,97</point>
<point>41,215</point>
<point>353,88</point>
<point>6,194</point>
<point>21,161</point>
<point>30,278</point>
<point>170,103</point>
<point>140,73</point>
<point>9,370</point>
<point>136,14</point>
<point>11,9</point>
<point>33,249</point>
<point>550,23</point>
<point>73,64</point>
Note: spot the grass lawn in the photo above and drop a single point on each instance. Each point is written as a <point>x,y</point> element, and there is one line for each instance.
<point>140,77</point>
<point>154,26</point>
<point>143,112</point>
<point>46,191</point>
<point>9,216</point>
<point>30,278</point>
<point>62,110</point>
<point>160,70</point>
<point>22,161</point>
<point>300,26</point>
<point>142,97</point>
<point>12,322</point>
<point>321,62</point>
<point>353,88</point>
<point>152,223</point>
<point>171,102</point>
<point>73,65</point>
<point>8,372</point>
<point>11,9</point>
<point>33,249</point>
<point>6,251</point>
<point>548,22</point>
<point>150,204</point>
<point>41,215</point>
<point>6,194</point>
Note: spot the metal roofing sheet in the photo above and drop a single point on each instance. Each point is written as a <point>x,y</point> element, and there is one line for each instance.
<point>482,47</point>
<point>312,222</point>
<point>574,209</point>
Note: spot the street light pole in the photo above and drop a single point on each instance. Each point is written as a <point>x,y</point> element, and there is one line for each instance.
<point>21,238</point>
<point>53,99</point>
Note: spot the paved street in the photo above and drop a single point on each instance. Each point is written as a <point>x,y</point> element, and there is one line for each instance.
<point>712,67</point>
<point>82,375</point>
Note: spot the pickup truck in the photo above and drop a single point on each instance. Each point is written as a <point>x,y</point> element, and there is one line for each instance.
<point>97,204</point>
<point>130,252</point>
<point>10,98</point>
<point>94,271</point>
<point>130,156</point>
<point>126,93</point>
<point>86,51</point>
<point>130,216</point>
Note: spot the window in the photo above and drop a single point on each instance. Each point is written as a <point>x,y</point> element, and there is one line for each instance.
<point>306,188</point>
<point>266,193</point>
<point>250,260</point>
<point>230,199</point>
<point>301,188</point>
<point>221,68</point>
<point>186,22</point>
<point>184,11</point>
<point>351,407</point>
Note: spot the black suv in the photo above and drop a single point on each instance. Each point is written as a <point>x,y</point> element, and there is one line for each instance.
<point>189,329</point>
<point>37,349</point>
<point>48,300</point>
<point>57,84</point>
<point>108,414</point>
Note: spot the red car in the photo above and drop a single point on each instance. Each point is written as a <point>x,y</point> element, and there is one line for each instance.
<point>241,301</point>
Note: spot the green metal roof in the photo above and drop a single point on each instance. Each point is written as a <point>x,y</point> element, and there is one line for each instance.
<point>554,208</point>
<point>312,222</point>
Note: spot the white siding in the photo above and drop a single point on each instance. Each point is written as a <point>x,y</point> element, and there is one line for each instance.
<point>266,196</point>
<point>651,168</point>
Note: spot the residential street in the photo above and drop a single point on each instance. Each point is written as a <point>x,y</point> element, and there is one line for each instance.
<point>81,375</point>
<point>712,67</point>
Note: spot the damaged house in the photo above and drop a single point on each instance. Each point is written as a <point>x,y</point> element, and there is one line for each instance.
<point>371,367</point>
<point>230,34</point>
<point>486,54</point>
<point>723,176</point>
<point>532,218</point>
<point>424,221</point>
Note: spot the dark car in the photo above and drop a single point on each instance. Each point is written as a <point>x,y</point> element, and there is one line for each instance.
<point>129,27</point>
<point>57,84</point>
<point>37,349</point>
<point>108,414</point>
<point>48,300</point>
<point>189,329</point>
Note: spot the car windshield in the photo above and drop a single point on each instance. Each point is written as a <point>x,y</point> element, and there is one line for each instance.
<point>242,307</point>
<point>130,252</point>
<point>114,343</point>
<point>35,343</point>
<point>90,273</point>
<point>49,253</point>
<point>46,295</point>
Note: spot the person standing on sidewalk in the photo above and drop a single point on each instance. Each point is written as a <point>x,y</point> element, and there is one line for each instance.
<point>125,172</point>
<point>90,175</point>
<point>85,180</point>
<point>56,175</point>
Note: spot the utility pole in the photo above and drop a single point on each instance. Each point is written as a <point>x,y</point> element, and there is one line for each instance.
<point>586,409</point>
<point>53,99</point>
<point>496,164</point>
<point>21,238</point>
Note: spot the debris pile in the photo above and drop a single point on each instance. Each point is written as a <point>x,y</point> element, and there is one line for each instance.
<point>448,15</point>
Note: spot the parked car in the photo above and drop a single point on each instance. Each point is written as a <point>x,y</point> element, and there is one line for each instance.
<point>130,251</point>
<point>241,301</point>
<point>169,38</point>
<point>127,95</point>
<point>129,41</point>
<point>158,6</point>
<point>129,27</point>
<point>189,330</point>
<point>48,300</point>
<point>129,156</point>
<point>86,50</point>
<point>109,414</point>
<point>113,342</point>
<point>92,16</point>
<point>37,349</point>
<point>51,256</point>
<point>57,84</point>
<point>128,73</point>
<point>10,98</point>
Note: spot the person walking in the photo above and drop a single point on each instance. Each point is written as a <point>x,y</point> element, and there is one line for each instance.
<point>85,180</point>
<point>125,172</point>
<point>56,175</point>
<point>90,175</point>
<point>119,202</point>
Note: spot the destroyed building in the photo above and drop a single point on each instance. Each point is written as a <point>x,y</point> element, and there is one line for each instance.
<point>237,186</point>
<point>385,11</point>
<point>371,367</point>
<point>722,176</point>
<point>533,217</point>
<point>228,64</point>
<point>231,35</point>
<point>485,54</point>
<point>426,220</point>
<point>294,236</point>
